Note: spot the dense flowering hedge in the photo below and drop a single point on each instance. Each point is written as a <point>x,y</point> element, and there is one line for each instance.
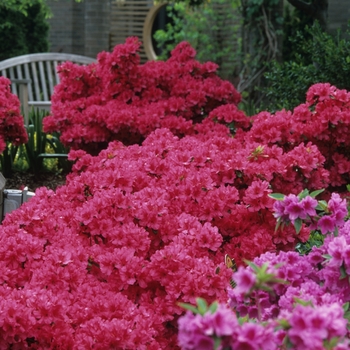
<point>11,122</point>
<point>103,261</point>
<point>140,226</point>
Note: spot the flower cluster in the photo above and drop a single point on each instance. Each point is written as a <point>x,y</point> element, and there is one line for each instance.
<point>219,328</point>
<point>11,122</point>
<point>320,215</point>
<point>119,99</point>
<point>323,120</point>
<point>301,301</point>
<point>307,327</point>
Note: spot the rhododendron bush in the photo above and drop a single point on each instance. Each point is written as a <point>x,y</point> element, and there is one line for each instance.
<point>323,120</point>
<point>11,122</point>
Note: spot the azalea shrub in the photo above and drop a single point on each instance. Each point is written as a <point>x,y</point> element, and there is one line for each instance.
<point>283,300</point>
<point>11,121</point>
<point>119,99</point>
<point>105,259</point>
<point>323,120</point>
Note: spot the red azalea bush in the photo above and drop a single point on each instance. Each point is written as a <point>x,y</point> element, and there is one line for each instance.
<point>324,120</point>
<point>119,99</point>
<point>11,122</point>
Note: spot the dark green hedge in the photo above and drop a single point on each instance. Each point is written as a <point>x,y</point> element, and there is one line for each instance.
<point>22,34</point>
<point>319,57</point>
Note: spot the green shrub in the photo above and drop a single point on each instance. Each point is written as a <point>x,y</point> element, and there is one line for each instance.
<point>23,33</point>
<point>321,57</point>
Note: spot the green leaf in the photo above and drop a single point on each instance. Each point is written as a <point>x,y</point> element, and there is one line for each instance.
<point>303,302</point>
<point>336,232</point>
<point>255,267</point>
<point>303,194</point>
<point>298,223</point>
<point>189,307</point>
<point>278,224</point>
<point>202,306</point>
<point>242,320</point>
<point>322,205</point>
<point>330,344</point>
<point>316,193</point>
<point>343,273</point>
<point>217,343</point>
<point>213,307</point>
<point>346,306</point>
<point>283,323</point>
<point>277,196</point>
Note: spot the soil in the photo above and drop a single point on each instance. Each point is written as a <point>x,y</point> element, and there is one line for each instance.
<point>19,180</point>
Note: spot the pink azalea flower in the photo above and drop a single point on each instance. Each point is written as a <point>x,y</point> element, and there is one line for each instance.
<point>309,205</point>
<point>245,280</point>
<point>326,224</point>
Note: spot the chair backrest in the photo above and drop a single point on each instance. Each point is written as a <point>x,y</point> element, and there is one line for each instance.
<point>40,70</point>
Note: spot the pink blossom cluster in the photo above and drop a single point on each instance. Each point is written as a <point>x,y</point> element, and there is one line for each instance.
<point>11,122</point>
<point>117,98</point>
<point>299,300</point>
<point>328,218</point>
<point>203,332</point>
<point>307,327</point>
<point>323,120</point>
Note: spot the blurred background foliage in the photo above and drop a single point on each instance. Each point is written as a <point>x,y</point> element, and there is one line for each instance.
<point>23,32</point>
<point>212,28</point>
<point>318,57</point>
<point>270,50</point>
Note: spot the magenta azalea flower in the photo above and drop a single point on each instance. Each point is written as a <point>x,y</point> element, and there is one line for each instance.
<point>327,224</point>
<point>245,280</point>
<point>309,205</point>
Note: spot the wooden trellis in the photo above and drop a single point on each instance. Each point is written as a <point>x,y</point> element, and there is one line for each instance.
<point>127,19</point>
